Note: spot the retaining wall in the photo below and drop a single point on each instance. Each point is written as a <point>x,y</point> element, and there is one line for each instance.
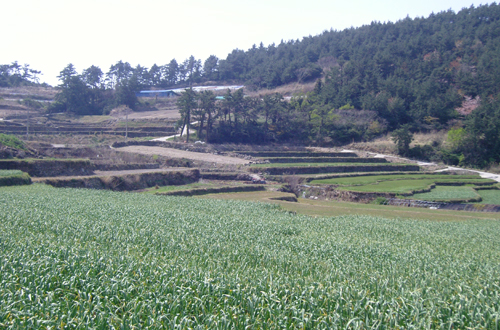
<point>325,160</point>
<point>296,154</point>
<point>127,182</point>
<point>46,168</point>
<point>332,169</point>
<point>15,180</point>
<point>219,190</point>
<point>227,176</point>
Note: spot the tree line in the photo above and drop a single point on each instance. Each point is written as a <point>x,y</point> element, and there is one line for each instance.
<point>15,75</point>
<point>304,119</point>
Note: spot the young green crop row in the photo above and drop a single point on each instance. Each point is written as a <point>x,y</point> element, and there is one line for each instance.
<point>447,193</point>
<point>99,259</point>
<point>416,182</point>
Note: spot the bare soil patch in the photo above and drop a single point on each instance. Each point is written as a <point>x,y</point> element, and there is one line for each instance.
<point>176,153</point>
<point>147,115</point>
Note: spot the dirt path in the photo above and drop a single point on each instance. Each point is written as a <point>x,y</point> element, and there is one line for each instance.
<point>176,153</point>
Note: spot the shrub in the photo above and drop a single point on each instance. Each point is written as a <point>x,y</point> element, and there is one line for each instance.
<point>11,141</point>
<point>380,201</point>
<point>402,137</point>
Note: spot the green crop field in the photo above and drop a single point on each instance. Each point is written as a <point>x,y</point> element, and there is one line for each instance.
<point>447,193</point>
<point>368,179</point>
<point>99,259</point>
<point>490,196</point>
<point>396,186</point>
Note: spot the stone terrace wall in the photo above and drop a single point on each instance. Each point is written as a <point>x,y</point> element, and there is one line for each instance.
<point>47,168</point>
<point>128,182</point>
<point>332,169</point>
<point>325,160</point>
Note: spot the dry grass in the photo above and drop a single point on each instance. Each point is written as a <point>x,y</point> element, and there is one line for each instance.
<point>493,168</point>
<point>285,90</point>
<point>385,145</point>
<point>433,138</point>
<point>44,92</point>
<point>76,140</point>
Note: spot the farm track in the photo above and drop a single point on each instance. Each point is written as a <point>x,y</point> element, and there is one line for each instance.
<point>176,153</point>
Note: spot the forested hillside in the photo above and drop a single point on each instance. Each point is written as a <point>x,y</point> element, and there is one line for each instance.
<point>412,75</point>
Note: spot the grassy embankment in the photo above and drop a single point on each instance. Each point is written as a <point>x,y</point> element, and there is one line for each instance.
<point>14,178</point>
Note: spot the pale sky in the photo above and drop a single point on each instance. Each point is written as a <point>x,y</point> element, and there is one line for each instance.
<point>49,34</point>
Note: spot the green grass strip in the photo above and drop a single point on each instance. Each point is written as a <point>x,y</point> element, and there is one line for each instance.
<point>369,179</point>
<point>447,193</point>
<point>396,186</point>
<point>490,196</point>
<point>285,165</point>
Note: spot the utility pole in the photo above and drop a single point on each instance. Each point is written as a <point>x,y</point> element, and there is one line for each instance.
<point>126,123</point>
<point>28,125</point>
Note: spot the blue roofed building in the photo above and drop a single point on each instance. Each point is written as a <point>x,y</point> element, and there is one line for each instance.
<point>157,93</point>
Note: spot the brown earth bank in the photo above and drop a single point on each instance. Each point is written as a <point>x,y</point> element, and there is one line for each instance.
<point>8,152</point>
<point>285,160</point>
<point>45,168</point>
<point>15,180</point>
<point>217,190</point>
<point>274,154</point>
<point>227,176</point>
<point>126,180</point>
<point>332,169</point>
<point>99,173</point>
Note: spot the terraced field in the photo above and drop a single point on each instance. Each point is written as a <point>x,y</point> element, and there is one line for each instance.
<point>490,196</point>
<point>100,259</point>
<point>427,187</point>
<point>370,179</point>
<point>443,193</point>
<point>317,165</point>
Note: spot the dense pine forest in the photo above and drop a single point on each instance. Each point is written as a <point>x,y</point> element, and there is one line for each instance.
<point>422,74</point>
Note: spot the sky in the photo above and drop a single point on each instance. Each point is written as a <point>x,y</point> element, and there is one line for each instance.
<point>50,34</point>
